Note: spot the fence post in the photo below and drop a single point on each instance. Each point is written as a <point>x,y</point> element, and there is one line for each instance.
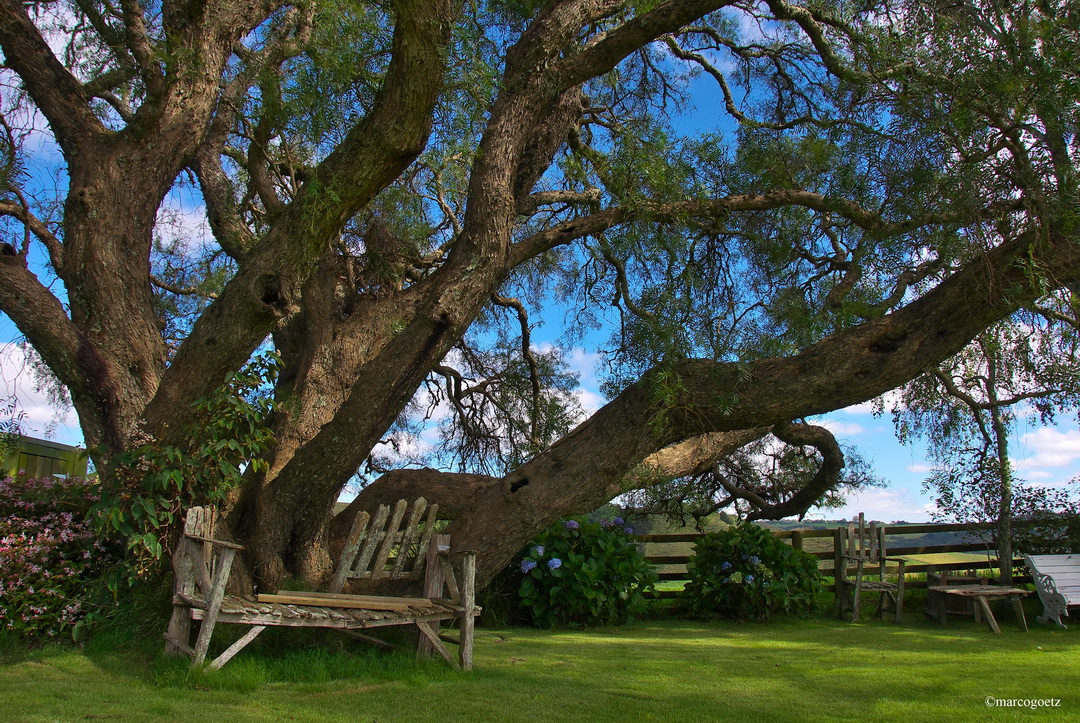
<point>839,571</point>
<point>796,539</point>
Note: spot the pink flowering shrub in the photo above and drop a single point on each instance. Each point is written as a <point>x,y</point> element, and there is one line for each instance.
<point>49,555</point>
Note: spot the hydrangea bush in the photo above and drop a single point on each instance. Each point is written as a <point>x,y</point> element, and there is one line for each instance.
<point>584,573</point>
<point>49,554</point>
<point>744,573</point>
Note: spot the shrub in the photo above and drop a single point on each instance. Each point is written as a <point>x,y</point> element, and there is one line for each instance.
<point>152,483</point>
<point>744,573</point>
<point>49,555</point>
<point>584,573</point>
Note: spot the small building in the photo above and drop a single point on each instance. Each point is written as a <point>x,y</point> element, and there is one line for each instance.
<point>32,458</point>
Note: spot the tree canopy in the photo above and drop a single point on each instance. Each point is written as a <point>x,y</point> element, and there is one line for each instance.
<point>769,210</point>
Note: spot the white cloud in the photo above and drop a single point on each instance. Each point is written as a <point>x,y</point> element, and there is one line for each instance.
<point>891,400</point>
<point>841,428</point>
<point>590,401</point>
<point>1053,448</point>
<point>918,468</point>
<point>861,408</point>
<point>888,505</point>
<point>40,415</point>
<point>584,363</point>
<point>182,220</point>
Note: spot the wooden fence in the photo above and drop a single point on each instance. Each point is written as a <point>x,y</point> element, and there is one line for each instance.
<point>673,567</point>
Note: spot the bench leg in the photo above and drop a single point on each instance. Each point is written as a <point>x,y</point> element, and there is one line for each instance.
<point>985,606</point>
<point>213,605</point>
<point>1054,606</point>
<point>178,637</point>
<point>1018,608</point>
<point>900,599</point>
<point>468,600</point>
<point>436,643</point>
<point>236,647</point>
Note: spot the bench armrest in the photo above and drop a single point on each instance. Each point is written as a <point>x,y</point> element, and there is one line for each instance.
<point>212,541</point>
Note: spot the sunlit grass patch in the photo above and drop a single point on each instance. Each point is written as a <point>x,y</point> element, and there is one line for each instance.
<point>788,670</point>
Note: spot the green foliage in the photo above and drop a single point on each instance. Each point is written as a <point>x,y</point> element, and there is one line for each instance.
<point>584,573</point>
<point>745,573</point>
<point>1045,529</point>
<point>152,484</point>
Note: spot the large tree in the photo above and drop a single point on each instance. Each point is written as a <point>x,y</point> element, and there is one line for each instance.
<point>868,189</point>
<point>967,408</point>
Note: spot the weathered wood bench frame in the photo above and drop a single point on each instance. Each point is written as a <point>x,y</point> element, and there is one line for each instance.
<point>865,546</point>
<point>394,546</point>
<point>1057,579</point>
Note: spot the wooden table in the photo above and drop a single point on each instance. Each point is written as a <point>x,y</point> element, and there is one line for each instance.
<point>981,594</point>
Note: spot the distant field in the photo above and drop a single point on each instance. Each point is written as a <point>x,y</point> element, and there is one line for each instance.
<point>942,558</point>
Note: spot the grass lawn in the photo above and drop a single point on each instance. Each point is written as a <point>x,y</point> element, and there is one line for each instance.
<point>795,670</point>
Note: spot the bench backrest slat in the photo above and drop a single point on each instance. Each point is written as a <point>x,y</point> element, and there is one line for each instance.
<point>359,566</point>
<point>421,561</point>
<point>408,535</point>
<point>865,542</point>
<point>392,545</point>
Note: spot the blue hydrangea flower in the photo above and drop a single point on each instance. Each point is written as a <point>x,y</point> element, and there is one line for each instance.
<point>527,565</point>
<point>571,525</point>
<point>755,560</point>
<point>619,521</point>
<point>629,530</point>
<point>538,551</point>
<point>746,556</point>
<point>726,565</point>
<point>749,578</point>
<point>607,523</point>
<point>554,563</point>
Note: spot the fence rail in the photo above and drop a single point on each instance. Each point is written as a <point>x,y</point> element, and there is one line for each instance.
<point>827,557</point>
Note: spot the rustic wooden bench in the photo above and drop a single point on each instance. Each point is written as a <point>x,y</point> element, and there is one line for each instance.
<point>1057,579</point>
<point>394,545</point>
<point>980,595</point>
<point>865,546</point>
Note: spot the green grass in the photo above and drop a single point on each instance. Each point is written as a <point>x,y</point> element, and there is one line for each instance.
<point>792,670</point>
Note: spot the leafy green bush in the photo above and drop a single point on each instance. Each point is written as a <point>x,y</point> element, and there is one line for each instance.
<point>49,555</point>
<point>745,573</point>
<point>584,573</point>
<point>152,484</point>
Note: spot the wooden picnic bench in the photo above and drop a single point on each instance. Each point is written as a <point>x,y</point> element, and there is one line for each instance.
<point>1057,579</point>
<point>981,595</point>
<point>398,544</point>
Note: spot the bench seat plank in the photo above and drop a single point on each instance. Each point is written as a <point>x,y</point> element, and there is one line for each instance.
<point>369,602</point>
